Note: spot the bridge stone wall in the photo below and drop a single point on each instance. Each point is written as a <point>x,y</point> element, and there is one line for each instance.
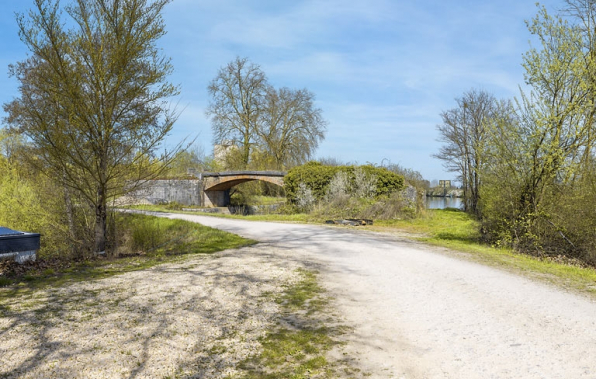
<point>187,192</point>
<point>209,190</point>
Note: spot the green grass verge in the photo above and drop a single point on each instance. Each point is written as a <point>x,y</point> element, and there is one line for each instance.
<point>268,200</point>
<point>297,348</point>
<point>457,230</point>
<point>153,241</point>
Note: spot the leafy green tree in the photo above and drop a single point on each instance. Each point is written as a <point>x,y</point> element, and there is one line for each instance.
<point>542,156</point>
<point>93,96</point>
<point>190,161</point>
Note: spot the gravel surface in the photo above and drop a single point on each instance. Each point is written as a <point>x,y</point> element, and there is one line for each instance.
<point>202,316</point>
<point>418,313</point>
<point>415,313</point>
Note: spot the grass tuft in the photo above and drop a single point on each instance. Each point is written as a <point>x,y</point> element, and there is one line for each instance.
<point>297,348</point>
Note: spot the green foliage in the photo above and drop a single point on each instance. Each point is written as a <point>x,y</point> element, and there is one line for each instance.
<point>394,206</point>
<point>92,96</point>
<point>31,202</point>
<point>317,178</point>
<point>151,235</point>
<point>539,177</point>
<point>188,162</point>
<point>143,242</point>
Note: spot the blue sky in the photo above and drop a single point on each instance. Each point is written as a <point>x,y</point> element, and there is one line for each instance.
<point>381,70</point>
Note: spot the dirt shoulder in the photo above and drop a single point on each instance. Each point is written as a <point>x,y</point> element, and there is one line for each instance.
<point>200,318</point>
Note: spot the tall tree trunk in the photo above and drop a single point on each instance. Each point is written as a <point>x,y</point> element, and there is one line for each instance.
<point>70,217</point>
<point>246,151</point>
<point>101,207</point>
<point>101,216</point>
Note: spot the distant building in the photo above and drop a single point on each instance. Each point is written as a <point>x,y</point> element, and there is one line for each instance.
<point>221,151</point>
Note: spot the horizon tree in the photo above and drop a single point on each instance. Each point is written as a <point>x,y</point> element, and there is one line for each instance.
<point>292,127</point>
<point>274,127</point>
<point>464,131</point>
<point>237,96</point>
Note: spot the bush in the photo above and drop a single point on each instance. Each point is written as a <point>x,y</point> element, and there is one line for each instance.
<point>395,206</point>
<point>562,224</point>
<point>304,198</point>
<point>149,234</point>
<point>32,203</point>
<point>358,198</point>
<point>318,177</point>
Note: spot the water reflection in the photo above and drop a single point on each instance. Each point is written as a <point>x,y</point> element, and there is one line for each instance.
<point>443,202</point>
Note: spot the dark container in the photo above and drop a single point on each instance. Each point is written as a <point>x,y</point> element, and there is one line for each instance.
<point>12,241</point>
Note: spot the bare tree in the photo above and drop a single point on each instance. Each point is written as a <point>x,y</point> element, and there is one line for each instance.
<point>464,132</point>
<point>238,93</point>
<point>292,127</point>
<point>93,97</point>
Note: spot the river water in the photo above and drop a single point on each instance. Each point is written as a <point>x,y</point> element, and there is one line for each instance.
<point>443,202</point>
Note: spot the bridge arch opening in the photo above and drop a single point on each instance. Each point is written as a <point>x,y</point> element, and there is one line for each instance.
<point>227,185</point>
<point>217,186</point>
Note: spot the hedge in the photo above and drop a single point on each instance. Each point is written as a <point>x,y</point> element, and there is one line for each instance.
<point>317,177</point>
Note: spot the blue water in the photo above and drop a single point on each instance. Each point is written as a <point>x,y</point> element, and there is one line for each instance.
<point>443,202</point>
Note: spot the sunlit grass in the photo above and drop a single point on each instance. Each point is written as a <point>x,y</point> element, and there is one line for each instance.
<point>298,217</point>
<point>159,240</point>
<point>268,200</point>
<point>299,350</point>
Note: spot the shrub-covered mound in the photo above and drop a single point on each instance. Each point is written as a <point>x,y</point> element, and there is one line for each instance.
<point>317,177</point>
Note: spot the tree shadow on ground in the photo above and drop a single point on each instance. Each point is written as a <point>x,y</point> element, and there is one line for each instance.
<point>160,322</point>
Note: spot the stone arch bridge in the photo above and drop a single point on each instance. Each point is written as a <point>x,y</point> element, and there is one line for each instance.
<point>215,188</point>
<point>209,189</point>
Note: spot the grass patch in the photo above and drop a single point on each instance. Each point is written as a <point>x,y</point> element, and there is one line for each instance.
<point>146,241</point>
<point>306,295</point>
<point>445,224</point>
<point>297,348</point>
<point>268,200</point>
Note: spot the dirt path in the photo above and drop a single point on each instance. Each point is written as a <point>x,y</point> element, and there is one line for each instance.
<point>420,314</point>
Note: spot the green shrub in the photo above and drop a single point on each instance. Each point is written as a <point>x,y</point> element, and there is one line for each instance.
<point>30,202</point>
<point>147,234</point>
<point>317,178</point>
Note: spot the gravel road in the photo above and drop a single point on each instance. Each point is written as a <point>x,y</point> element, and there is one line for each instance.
<point>418,313</point>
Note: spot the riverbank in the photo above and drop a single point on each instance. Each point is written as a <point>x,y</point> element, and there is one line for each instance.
<point>445,192</point>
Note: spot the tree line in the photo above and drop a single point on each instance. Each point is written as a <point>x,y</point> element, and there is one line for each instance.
<point>527,165</point>
<point>272,128</point>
